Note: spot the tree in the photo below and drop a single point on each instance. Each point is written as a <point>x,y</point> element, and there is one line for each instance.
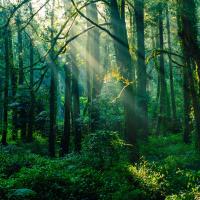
<point>164,110</point>
<point>22,110</point>
<point>76,101</point>
<point>93,67</point>
<point>31,86</point>
<point>124,61</point>
<point>6,85</point>
<point>186,12</point>
<point>141,70</point>
<point>173,101</point>
<point>14,84</point>
<point>32,96</point>
<point>67,117</point>
<point>53,91</point>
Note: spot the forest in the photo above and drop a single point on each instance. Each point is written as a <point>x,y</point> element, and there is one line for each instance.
<point>99,99</point>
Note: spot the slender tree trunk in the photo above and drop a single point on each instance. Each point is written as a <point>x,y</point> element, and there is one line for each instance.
<point>6,85</point>
<point>93,68</point>
<point>53,92</point>
<point>1,102</point>
<point>89,65</point>
<point>22,111</point>
<point>20,51</point>
<point>155,64</point>
<point>52,103</point>
<point>163,110</point>
<point>186,103</point>
<point>32,96</point>
<point>173,102</point>
<point>96,86</point>
<point>76,102</point>
<point>141,70</point>
<point>195,102</point>
<point>14,79</point>
<point>67,117</point>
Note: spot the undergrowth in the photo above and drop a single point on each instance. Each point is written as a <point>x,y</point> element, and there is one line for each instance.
<point>168,170</point>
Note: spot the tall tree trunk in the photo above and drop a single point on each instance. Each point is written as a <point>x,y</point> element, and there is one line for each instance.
<point>32,96</point>
<point>186,14</point>
<point>1,102</point>
<point>93,68</point>
<point>141,70</point>
<point>76,101</point>
<point>67,117</point>
<point>31,115</point>
<point>53,92</point>
<point>89,65</point>
<point>124,61</point>
<point>173,102</point>
<point>186,104</point>
<point>22,110</point>
<point>163,110</point>
<point>6,85</point>
<point>195,101</point>
<point>14,79</point>
<point>96,86</point>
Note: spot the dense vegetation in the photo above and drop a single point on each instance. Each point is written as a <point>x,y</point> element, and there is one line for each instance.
<point>99,99</point>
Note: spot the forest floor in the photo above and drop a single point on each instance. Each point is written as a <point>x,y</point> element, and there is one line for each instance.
<point>167,170</point>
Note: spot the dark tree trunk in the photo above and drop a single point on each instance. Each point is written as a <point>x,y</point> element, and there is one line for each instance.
<point>22,110</point>
<point>186,103</point>
<point>14,79</point>
<point>6,85</point>
<point>89,65</point>
<point>20,51</point>
<point>52,103</point>
<point>75,114</point>
<point>96,86</point>
<point>67,117</point>
<point>186,14</point>
<point>93,69</point>
<point>32,96</point>
<point>173,102</point>
<point>164,108</point>
<point>76,102</point>
<point>124,61</point>
<point>141,70</point>
<point>195,102</point>
<point>53,92</point>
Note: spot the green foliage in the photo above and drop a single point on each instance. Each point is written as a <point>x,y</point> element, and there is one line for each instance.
<point>24,193</point>
<point>104,149</point>
<point>102,171</point>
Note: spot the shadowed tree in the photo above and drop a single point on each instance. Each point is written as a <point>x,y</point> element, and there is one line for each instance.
<point>173,102</point>
<point>67,117</point>
<point>53,90</point>
<point>141,70</point>
<point>93,68</point>
<point>76,101</point>
<point>32,96</point>
<point>164,108</point>
<point>124,62</point>
<point>6,85</point>
<point>187,27</point>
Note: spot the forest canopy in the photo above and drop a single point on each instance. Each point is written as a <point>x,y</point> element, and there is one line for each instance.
<point>100,99</point>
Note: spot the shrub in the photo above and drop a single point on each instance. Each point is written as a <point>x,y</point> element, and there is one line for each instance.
<point>103,149</point>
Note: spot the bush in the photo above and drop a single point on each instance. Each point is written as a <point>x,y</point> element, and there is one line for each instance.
<point>104,149</point>
<point>102,171</point>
